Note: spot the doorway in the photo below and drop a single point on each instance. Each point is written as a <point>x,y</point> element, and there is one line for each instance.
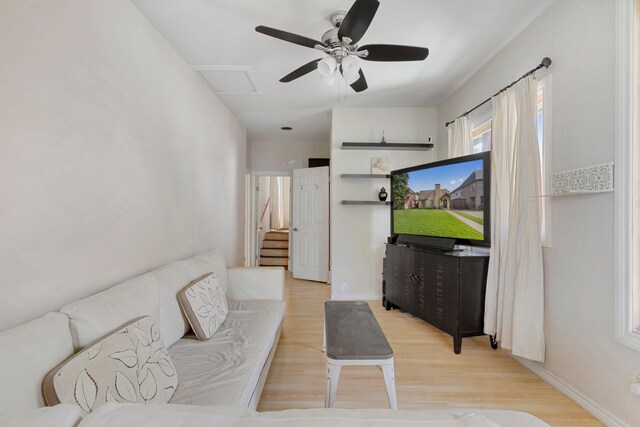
<point>287,222</point>
<point>270,213</point>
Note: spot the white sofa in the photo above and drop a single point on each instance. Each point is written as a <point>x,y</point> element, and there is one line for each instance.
<point>232,366</point>
<point>228,369</point>
<point>216,416</point>
<point>220,380</point>
<point>128,415</point>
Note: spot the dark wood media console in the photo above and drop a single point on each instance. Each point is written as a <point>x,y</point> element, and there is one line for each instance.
<point>445,289</point>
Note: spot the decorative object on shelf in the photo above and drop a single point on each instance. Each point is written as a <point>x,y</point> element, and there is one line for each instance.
<point>380,165</point>
<point>591,179</point>
<point>382,140</point>
<point>382,195</point>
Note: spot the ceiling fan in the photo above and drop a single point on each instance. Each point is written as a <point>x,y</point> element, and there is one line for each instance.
<point>340,44</point>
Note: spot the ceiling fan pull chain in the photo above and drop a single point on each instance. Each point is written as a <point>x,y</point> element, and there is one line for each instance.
<point>346,91</point>
<point>344,88</point>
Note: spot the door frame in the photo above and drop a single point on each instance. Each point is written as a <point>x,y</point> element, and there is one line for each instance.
<point>252,215</point>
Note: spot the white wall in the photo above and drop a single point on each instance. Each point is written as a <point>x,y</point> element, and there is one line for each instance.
<point>114,157</point>
<point>578,36</point>
<point>358,233</point>
<point>285,155</point>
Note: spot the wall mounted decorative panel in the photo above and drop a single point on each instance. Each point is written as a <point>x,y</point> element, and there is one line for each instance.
<point>591,179</point>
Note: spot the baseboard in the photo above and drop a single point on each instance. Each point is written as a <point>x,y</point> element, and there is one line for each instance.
<point>606,417</point>
<point>354,297</point>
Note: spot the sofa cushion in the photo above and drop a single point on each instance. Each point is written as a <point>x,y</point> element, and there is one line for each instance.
<point>209,262</point>
<point>27,353</point>
<point>226,368</point>
<point>56,416</point>
<point>94,317</point>
<point>129,365</point>
<point>170,279</point>
<point>204,304</point>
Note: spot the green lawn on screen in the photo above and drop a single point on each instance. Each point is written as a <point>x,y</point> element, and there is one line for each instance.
<point>432,222</point>
<point>471,217</point>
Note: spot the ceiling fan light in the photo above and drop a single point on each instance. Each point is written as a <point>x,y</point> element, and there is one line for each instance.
<point>352,76</point>
<point>350,65</point>
<point>327,66</point>
<point>328,80</point>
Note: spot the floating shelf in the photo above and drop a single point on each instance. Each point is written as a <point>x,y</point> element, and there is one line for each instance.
<point>365,202</point>
<point>364,175</point>
<point>386,146</point>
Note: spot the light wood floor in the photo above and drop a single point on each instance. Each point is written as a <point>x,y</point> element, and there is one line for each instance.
<point>428,373</point>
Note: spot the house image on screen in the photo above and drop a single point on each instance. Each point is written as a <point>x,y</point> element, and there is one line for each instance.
<point>470,195</point>
<point>437,198</point>
<point>411,200</point>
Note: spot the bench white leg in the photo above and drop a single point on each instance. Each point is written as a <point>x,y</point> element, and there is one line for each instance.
<point>333,376</point>
<point>324,337</point>
<point>390,382</point>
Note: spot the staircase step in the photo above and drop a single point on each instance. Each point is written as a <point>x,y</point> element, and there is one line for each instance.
<point>276,244</point>
<point>274,253</point>
<point>280,262</point>
<point>276,235</point>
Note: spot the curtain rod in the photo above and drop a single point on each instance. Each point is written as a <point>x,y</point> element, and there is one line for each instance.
<point>546,63</point>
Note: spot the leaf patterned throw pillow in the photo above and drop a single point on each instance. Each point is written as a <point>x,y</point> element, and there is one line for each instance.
<point>205,305</point>
<point>130,365</point>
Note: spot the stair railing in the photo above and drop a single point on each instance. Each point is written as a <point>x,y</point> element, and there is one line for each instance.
<point>264,212</point>
<point>260,230</point>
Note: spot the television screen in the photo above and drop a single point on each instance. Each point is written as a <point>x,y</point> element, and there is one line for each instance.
<point>443,199</point>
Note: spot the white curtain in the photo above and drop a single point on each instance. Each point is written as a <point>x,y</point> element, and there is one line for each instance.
<point>460,139</point>
<point>514,309</point>
<point>280,202</point>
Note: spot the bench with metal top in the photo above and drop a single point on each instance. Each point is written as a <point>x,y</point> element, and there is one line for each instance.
<point>352,336</point>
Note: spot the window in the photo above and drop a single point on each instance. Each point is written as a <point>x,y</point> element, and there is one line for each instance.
<point>544,145</point>
<point>627,176</point>
<point>481,135</point>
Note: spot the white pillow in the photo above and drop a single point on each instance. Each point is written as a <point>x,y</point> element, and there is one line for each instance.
<point>55,416</point>
<point>130,365</point>
<point>205,305</point>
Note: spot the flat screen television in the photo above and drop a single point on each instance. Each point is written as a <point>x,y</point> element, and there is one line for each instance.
<point>449,199</point>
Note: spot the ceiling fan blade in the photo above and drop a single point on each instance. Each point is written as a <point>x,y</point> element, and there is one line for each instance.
<point>289,37</point>
<point>391,52</point>
<point>305,69</point>
<point>360,84</point>
<point>358,19</point>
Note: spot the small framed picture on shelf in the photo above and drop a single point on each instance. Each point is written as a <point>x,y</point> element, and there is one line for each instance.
<point>380,165</point>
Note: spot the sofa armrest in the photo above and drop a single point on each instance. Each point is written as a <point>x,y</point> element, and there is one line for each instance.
<point>247,283</point>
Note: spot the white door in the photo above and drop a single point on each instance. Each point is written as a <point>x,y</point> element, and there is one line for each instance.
<point>310,225</point>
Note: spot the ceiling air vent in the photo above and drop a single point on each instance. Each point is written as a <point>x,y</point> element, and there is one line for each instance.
<point>226,80</point>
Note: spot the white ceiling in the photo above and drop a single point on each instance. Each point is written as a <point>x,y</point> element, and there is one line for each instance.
<point>461,35</point>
